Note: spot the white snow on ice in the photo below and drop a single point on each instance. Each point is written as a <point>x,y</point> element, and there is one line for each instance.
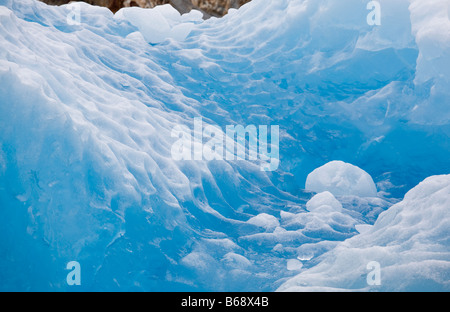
<point>410,241</point>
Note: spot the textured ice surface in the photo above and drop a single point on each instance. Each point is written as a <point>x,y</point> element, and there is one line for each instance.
<point>86,173</point>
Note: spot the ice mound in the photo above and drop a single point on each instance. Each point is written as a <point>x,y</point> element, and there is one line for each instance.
<point>161,23</point>
<point>410,241</point>
<point>325,219</point>
<point>341,178</point>
<point>265,220</point>
<point>294,265</point>
<point>323,199</point>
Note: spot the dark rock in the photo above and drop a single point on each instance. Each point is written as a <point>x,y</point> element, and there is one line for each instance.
<point>208,7</point>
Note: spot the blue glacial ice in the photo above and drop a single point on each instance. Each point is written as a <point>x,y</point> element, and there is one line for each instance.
<point>87,110</point>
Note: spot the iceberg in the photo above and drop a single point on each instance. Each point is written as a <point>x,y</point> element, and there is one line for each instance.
<point>89,101</point>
